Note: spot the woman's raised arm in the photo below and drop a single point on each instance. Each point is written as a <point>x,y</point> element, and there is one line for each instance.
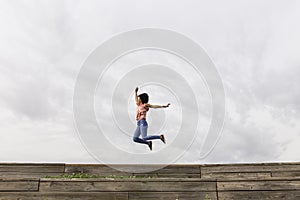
<point>136,96</point>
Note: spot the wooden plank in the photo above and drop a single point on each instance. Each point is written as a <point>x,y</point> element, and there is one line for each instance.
<point>262,195</point>
<point>86,185</point>
<point>31,167</point>
<point>250,164</point>
<point>207,169</point>
<point>228,179</point>
<point>173,195</point>
<point>258,185</point>
<point>19,185</point>
<point>26,175</point>
<point>94,169</point>
<point>64,195</point>
<point>291,174</point>
<point>242,175</point>
<point>179,169</point>
<point>180,175</point>
<point>128,169</point>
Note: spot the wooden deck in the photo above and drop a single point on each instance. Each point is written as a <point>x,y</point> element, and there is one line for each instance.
<point>174,182</point>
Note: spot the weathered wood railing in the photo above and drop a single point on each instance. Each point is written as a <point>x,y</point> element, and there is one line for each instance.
<point>225,181</point>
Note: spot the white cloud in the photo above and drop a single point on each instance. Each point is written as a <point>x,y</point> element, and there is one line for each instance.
<point>254,44</point>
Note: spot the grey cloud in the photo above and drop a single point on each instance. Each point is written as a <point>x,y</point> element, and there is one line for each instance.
<point>254,45</point>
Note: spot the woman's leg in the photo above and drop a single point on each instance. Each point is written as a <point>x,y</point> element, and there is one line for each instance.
<point>136,136</point>
<point>144,130</point>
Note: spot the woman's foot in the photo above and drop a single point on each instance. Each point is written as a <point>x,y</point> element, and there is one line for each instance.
<point>162,138</point>
<point>150,145</point>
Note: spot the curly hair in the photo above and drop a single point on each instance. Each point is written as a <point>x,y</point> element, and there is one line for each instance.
<point>144,97</point>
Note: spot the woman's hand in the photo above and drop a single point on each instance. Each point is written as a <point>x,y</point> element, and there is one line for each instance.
<point>136,97</point>
<point>166,106</point>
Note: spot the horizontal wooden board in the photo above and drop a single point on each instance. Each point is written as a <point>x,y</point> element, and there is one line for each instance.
<point>173,195</point>
<point>262,195</point>
<point>34,168</point>
<point>26,175</point>
<point>250,164</point>
<point>242,175</point>
<point>64,196</point>
<point>291,174</point>
<point>19,185</point>
<point>256,179</point>
<point>130,169</point>
<point>179,175</point>
<point>130,185</point>
<point>238,181</point>
<point>137,179</point>
<point>207,169</point>
<point>258,185</point>
<point>179,169</point>
<point>94,169</point>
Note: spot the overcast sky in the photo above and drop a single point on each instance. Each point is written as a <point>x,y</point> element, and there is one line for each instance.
<point>254,45</point>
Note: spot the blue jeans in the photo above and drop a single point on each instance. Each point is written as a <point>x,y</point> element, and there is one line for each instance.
<point>142,127</point>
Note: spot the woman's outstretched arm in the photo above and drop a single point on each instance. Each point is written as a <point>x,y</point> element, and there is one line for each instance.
<point>136,96</point>
<point>158,106</point>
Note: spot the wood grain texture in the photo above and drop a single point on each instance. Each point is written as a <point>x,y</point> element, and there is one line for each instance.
<point>34,168</point>
<point>179,169</point>
<point>166,175</point>
<point>173,195</point>
<point>64,196</point>
<point>130,185</point>
<point>94,169</point>
<point>241,175</point>
<point>287,174</point>
<point>153,169</point>
<point>268,167</point>
<point>258,185</point>
<point>262,195</point>
<point>26,175</point>
<point>19,185</point>
<point>230,181</point>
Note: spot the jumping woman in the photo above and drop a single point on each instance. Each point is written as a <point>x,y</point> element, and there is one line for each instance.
<point>142,125</point>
